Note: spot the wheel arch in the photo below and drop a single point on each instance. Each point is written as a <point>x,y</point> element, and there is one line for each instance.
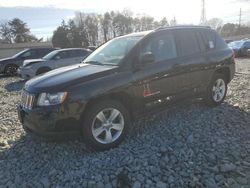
<point>225,71</point>
<point>43,68</point>
<point>124,98</point>
<point>9,64</point>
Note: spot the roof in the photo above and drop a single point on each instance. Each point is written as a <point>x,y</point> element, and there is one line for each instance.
<point>143,33</point>
<point>68,49</point>
<point>183,27</point>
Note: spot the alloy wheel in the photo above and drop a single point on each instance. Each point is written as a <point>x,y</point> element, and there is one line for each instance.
<point>218,90</point>
<point>108,125</point>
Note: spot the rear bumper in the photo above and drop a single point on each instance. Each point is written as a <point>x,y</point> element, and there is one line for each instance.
<point>48,124</point>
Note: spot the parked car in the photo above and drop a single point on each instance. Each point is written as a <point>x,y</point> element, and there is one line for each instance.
<point>125,77</point>
<point>53,60</point>
<point>240,47</point>
<point>92,48</point>
<point>228,40</point>
<point>10,65</point>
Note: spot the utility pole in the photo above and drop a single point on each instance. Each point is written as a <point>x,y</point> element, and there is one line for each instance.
<point>240,20</point>
<point>203,19</point>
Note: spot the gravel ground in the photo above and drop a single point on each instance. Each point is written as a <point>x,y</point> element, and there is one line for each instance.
<point>188,145</point>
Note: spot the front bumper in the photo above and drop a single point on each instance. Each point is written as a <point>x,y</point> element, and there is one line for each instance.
<point>25,73</point>
<point>48,123</point>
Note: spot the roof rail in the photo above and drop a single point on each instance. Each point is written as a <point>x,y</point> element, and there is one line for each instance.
<point>182,26</point>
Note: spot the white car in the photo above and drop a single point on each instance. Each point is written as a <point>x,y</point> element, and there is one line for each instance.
<point>53,60</point>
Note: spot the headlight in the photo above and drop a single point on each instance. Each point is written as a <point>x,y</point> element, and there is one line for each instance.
<point>47,99</point>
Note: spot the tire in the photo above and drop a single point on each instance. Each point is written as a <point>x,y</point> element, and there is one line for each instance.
<point>217,90</point>
<point>11,70</point>
<point>42,70</point>
<point>99,132</point>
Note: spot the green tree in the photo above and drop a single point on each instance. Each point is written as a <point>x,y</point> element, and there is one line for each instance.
<point>228,30</point>
<point>5,33</point>
<point>164,22</point>
<point>60,36</point>
<point>106,25</point>
<point>74,34</point>
<point>20,32</point>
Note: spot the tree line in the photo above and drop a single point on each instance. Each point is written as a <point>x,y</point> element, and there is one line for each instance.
<point>95,29</point>
<point>16,31</point>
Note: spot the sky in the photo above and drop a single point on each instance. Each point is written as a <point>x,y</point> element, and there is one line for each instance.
<point>45,15</point>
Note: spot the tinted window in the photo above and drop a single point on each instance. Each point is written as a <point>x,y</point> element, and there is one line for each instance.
<point>247,44</point>
<point>209,39</point>
<point>201,41</point>
<point>188,42</point>
<point>44,51</point>
<point>163,47</point>
<point>79,53</point>
<point>63,55</point>
<point>29,54</point>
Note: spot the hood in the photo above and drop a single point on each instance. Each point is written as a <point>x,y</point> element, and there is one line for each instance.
<point>62,78</point>
<point>32,61</point>
<point>6,59</point>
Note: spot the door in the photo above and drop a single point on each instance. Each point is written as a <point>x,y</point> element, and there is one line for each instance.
<point>157,80</point>
<point>191,68</point>
<point>63,59</point>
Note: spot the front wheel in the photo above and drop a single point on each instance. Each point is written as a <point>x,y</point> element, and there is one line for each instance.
<point>11,70</point>
<point>217,90</point>
<point>105,124</point>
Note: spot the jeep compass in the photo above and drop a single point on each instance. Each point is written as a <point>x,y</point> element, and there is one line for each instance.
<point>125,77</point>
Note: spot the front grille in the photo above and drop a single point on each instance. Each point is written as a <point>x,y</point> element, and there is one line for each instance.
<point>27,100</point>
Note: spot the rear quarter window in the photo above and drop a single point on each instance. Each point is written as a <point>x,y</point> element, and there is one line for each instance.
<point>209,39</point>
<point>220,42</point>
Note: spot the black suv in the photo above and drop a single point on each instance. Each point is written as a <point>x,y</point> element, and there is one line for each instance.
<point>125,77</point>
<point>10,65</point>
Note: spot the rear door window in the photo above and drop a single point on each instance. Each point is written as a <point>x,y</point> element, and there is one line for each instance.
<point>220,43</point>
<point>188,43</point>
<point>163,47</point>
<point>201,41</point>
<point>63,55</point>
<point>79,53</point>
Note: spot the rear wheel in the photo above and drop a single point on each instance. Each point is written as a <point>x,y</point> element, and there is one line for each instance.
<point>11,70</point>
<point>217,90</point>
<point>105,124</point>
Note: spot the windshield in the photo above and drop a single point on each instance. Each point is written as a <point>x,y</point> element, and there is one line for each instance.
<point>20,53</point>
<point>113,51</point>
<point>50,55</point>
<point>236,44</point>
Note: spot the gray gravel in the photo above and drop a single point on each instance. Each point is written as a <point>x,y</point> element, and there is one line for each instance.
<point>187,145</point>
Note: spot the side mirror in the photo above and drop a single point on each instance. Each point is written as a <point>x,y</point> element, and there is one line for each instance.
<point>147,58</point>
